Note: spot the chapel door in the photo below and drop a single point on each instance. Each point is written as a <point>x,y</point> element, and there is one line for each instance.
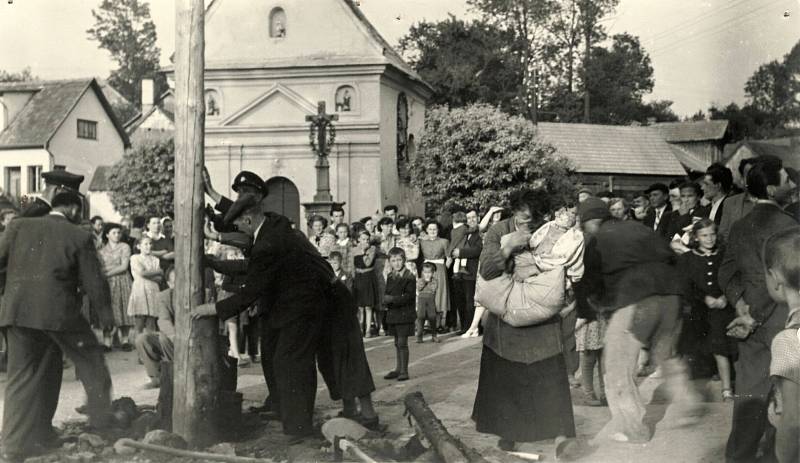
<point>283,198</point>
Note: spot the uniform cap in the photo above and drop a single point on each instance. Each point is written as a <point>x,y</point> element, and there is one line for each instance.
<point>63,178</point>
<point>248,178</point>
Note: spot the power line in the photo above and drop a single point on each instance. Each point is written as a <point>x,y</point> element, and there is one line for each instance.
<point>698,19</point>
<point>722,27</point>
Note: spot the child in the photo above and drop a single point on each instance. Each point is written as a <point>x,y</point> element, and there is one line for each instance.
<point>589,335</point>
<point>364,282</point>
<point>426,301</point>
<point>344,246</point>
<point>399,302</point>
<point>335,260</point>
<point>407,241</point>
<point>710,311</point>
<point>146,278</point>
<point>782,262</point>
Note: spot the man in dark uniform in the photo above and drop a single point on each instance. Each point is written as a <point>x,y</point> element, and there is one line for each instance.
<point>44,262</point>
<point>55,182</point>
<point>291,286</point>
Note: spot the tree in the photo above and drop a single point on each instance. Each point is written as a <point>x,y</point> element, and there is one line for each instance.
<point>23,76</point>
<point>464,62</point>
<point>617,78</point>
<point>525,21</point>
<point>125,30</point>
<point>476,156</point>
<point>142,183</point>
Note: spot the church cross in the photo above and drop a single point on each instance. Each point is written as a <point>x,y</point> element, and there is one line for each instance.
<point>321,132</point>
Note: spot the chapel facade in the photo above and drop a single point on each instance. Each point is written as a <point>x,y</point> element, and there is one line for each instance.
<point>269,63</point>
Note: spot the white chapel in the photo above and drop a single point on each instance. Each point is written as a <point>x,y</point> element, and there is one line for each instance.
<point>269,63</point>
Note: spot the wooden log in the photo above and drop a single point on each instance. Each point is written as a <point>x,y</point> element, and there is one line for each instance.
<point>449,449</point>
<point>196,363</point>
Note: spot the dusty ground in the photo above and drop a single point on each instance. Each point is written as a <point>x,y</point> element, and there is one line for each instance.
<point>446,374</point>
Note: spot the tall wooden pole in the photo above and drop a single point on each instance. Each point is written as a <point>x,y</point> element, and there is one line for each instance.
<point>196,363</point>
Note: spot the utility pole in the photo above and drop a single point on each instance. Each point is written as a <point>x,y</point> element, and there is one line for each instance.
<point>588,16</point>
<point>197,361</point>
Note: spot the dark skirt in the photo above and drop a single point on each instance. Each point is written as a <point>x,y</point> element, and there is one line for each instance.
<point>400,330</point>
<point>521,402</point>
<point>341,359</point>
<point>720,342</point>
<point>365,289</point>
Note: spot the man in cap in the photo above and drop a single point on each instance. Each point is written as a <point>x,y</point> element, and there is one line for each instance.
<point>55,182</point>
<point>658,219</point>
<point>295,287</point>
<point>640,291</point>
<point>244,182</point>
<point>44,261</point>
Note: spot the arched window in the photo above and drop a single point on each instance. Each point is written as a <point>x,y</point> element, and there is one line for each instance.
<point>346,100</point>
<point>402,137</point>
<point>277,23</point>
<point>213,104</point>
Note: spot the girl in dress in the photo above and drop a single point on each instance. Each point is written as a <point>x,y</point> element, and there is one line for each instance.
<point>434,250</point>
<point>364,282</point>
<point>344,246</point>
<point>408,242</point>
<point>146,277</point>
<point>711,313</point>
<point>116,257</point>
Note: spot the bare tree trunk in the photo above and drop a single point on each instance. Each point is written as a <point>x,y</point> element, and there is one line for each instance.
<point>196,362</point>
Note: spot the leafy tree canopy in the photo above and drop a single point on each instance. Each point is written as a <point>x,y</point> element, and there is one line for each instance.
<point>477,156</point>
<point>142,183</point>
<point>464,62</point>
<point>125,30</point>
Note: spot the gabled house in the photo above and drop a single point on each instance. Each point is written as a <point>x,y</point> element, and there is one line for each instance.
<point>43,124</point>
<point>698,143</point>
<point>269,63</point>
<point>614,157</point>
<point>156,119</point>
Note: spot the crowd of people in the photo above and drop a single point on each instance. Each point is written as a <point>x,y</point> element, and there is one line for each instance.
<point>586,291</point>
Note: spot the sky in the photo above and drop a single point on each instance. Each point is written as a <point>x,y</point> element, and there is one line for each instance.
<point>702,51</point>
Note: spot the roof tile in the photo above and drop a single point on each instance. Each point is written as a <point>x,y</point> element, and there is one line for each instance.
<point>676,132</point>
<point>611,149</point>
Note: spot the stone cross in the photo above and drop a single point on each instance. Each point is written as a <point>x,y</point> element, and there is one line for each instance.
<point>321,136</point>
<point>322,129</point>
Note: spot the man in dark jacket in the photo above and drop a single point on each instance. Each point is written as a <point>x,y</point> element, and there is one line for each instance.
<point>641,290</point>
<point>658,218</point>
<point>465,248</point>
<point>294,285</point>
<point>759,319</point>
<point>55,182</point>
<point>44,263</point>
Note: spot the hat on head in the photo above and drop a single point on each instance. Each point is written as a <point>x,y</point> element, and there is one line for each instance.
<point>63,178</point>
<point>657,186</point>
<point>248,178</point>
<point>244,202</point>
<point>593,208</point>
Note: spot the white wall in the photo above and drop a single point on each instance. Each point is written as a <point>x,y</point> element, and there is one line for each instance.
<point>24,158</point>
<point>82,156</point>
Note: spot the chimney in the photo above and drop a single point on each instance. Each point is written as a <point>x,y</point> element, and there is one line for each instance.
<point>148,99</point>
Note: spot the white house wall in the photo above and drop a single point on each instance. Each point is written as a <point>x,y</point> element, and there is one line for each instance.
<point>23,158</point>
<point>82,156</point>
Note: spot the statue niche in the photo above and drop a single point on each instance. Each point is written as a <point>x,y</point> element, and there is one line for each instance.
<point>345,99</point>
<point>213,108</point>
<point>277,23</point>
